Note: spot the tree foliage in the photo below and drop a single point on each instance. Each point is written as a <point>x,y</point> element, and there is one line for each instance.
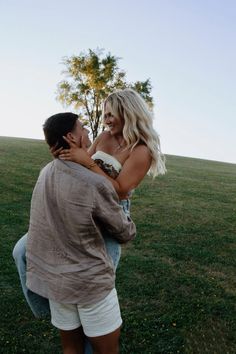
<point>90,78</point>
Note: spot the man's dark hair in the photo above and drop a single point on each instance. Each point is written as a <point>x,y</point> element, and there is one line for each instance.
<point>58,125</point>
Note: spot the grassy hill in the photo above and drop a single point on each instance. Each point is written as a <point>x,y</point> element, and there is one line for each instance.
<point>176,281</point>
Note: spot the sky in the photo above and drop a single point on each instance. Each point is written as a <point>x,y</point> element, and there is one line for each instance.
<point>186,47</point>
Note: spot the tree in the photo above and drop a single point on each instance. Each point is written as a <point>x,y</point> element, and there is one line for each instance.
<point>91,77</point>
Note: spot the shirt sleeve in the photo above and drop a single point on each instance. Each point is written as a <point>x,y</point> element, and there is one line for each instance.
<point>111,215</point>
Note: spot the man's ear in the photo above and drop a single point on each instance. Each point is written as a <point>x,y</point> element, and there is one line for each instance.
<point>70,136</point>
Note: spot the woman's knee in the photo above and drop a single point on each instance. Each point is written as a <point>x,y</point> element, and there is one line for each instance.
<point>19,249</point>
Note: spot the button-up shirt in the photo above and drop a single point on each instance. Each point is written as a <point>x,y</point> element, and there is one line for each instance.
<point>66,255</point>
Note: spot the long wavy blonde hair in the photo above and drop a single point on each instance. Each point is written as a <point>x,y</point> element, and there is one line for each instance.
<point>138,125</point>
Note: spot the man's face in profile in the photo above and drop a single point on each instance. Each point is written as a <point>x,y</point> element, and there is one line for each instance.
<point>80,134</point>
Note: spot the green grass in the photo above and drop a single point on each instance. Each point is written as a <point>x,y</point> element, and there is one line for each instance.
<point>176,281</point>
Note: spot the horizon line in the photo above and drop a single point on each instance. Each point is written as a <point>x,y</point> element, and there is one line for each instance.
<point>166,154</point>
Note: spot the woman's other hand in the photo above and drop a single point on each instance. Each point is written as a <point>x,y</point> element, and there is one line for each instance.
<point>75,153</point>
<point>55,152</point>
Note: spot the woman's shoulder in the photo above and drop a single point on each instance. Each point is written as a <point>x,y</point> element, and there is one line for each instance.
<point>103,141</point>
<point>101,137</point>
<point>140,155</point>
<point>99,140</point>
<point>104,135</point>
<point>141,149</point>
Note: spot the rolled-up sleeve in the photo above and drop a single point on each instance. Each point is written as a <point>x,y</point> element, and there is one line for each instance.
<point>111,215</point>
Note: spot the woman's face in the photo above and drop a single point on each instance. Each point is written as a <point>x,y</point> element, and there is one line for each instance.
<point>114,124</point>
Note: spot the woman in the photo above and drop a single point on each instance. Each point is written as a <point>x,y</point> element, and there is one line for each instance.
<point>130,139</point>
<point>125,152</point>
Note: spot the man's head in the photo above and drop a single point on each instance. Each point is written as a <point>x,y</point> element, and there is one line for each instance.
<point>64,124</point>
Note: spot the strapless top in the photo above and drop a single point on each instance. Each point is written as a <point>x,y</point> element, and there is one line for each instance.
<point>108,163</point>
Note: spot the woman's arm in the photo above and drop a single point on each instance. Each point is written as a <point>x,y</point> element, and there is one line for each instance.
<point>132,173</point>
<point>134,169</point>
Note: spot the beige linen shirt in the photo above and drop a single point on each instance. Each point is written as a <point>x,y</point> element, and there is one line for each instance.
<point>66,255</point>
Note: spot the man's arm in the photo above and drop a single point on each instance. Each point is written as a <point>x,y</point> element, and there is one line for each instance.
<point>111,215</point>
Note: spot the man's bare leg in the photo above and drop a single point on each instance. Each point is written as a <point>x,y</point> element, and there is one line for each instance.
<point>72,341</point>
<point>107,344</point>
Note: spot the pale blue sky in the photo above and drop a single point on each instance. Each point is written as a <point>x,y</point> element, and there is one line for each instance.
<point>186,47</point>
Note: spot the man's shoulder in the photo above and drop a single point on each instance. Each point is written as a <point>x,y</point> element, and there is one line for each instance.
<point>45,168</point>
<point>83,174</point>
<point>99,182</point>
<point>74,171</point>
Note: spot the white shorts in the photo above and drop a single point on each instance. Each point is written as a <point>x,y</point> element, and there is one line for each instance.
<point>97,320</point>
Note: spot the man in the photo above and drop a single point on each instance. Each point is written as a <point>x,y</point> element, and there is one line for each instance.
<point>66,256</point>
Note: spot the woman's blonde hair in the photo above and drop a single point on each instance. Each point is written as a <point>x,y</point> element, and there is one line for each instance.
<point>138,125</point>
